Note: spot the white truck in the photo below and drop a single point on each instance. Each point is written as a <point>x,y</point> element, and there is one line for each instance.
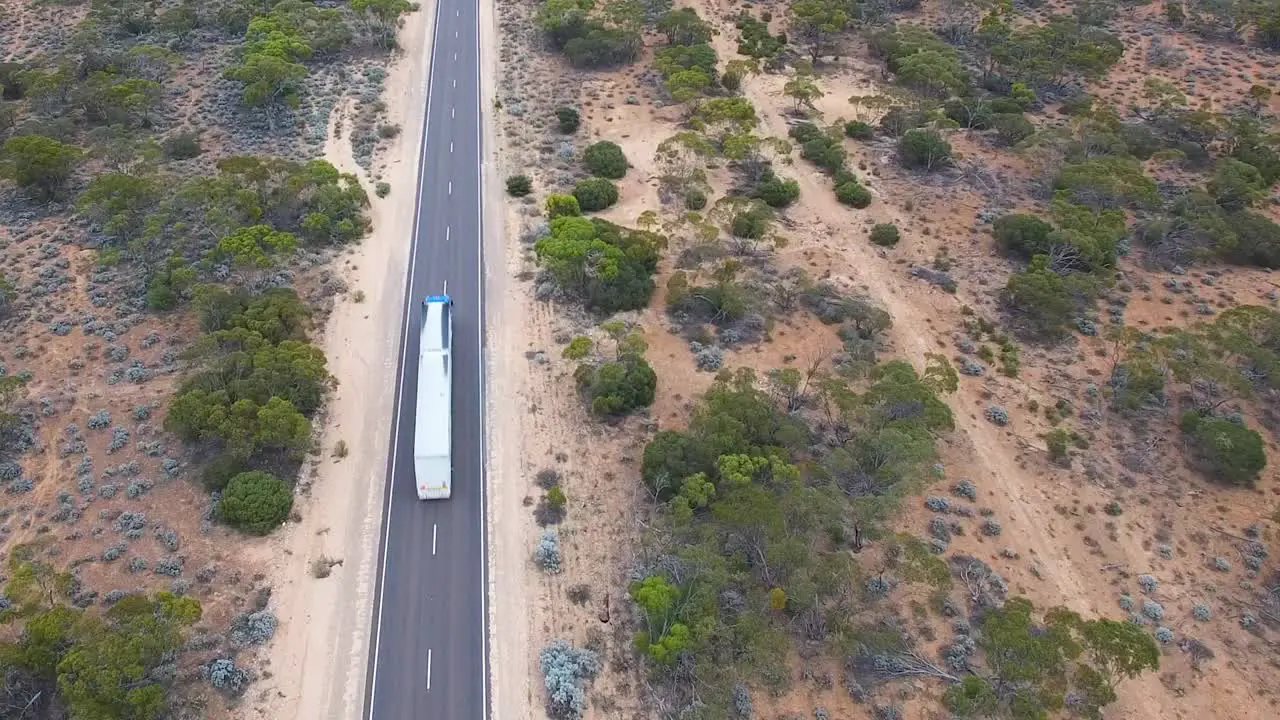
<point>432,461</point>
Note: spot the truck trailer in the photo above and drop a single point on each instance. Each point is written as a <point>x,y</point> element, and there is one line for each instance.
<point>432,459</point>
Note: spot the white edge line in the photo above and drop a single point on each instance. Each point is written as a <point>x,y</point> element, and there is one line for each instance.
<point>404,347</point>
<point>433,539</point>
<point>428,668</point>
<point>480,380</point>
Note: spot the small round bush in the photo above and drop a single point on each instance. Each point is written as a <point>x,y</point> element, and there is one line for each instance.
<point>853,194</point>
<point>695,199</point>
<point>858,130</point>
<point>595,194</point>
<point>568,119</point>
<point>1153,609</point>
<point>937,504</point>
<point>1126,603</point>
<point>562,206</point>
<point>606,160</point>
<point>1148,583</point>
<point>181,146</point>
<point>885,234</point>
<point>1201,613</point>
<point>991,528</point>
<point>777,192</point>
<point>519,185</point>
<point>1164,635</point>
<point>1221,564</point>
<point>966,489</point>
<point>256,502</point>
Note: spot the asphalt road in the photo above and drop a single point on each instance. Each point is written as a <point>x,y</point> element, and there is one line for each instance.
<point>428,660</point>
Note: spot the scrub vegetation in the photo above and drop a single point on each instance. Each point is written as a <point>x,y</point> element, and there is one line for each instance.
<point>167,213</point>
<point>942,306</point>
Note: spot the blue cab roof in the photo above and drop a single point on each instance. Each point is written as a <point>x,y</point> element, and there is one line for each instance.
<point>438,299</point>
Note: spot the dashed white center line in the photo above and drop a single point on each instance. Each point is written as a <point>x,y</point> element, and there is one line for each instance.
<point>451,112</point>
<point>455,82</point>
<point>455,33</point>
<point>450,146</point>
<point>433,526</point>
<point>428,668</point>
<point>450,187</point>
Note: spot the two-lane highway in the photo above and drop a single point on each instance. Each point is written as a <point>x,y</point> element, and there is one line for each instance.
<point>428,658</point>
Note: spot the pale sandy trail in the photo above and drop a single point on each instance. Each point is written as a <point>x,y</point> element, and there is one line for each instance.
<point>318,659</point>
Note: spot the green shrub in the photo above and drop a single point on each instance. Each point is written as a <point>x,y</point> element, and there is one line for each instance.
<point>568,120</point>
<point>1025,235</point>
<point>1005,106</point>
<point>519,185</point>
<point>559,206</point>
<point>752,223</point>
<point>382,189</point>
<point>974,113</point>
<point>1057,442</point>
<point>803,132</point>
<point>618,387</point>
<point>1230,451</point>
<point>1136,384</point>
<point>885,234</point>
<point>924,150</point>
<point>824,151</point>
<point>182,146</point>
<point>595,194</point>
<point>256,502</point>
<point>1046,301</point>
<point>579,249</point>
<point>38,163</point>
<point>858,130</point>
<point>695,199</point>
<point>853,194</point>
<point>605,159</point>
<point>972,698</point>
<point>1012,128</point>
<point>777,192</point>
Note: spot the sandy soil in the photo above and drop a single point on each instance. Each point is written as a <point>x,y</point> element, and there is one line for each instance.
<point>318,659</point>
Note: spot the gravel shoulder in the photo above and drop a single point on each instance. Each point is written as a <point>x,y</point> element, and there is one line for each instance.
<point>510,658</point>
